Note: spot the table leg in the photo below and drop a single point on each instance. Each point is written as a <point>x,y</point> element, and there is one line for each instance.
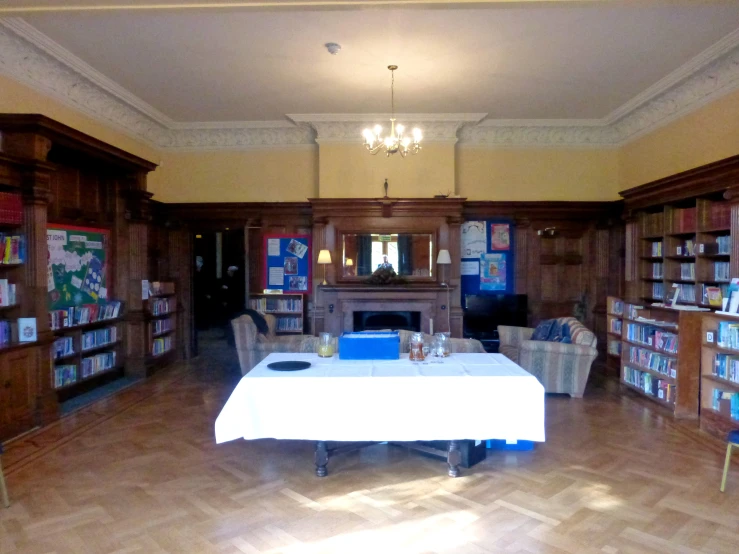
<point>321,459</point>
<point>453,458</point>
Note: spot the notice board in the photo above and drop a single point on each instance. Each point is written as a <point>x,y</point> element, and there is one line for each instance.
<point>77,271</point>
<point>287,263</point>
<point>487,265</point>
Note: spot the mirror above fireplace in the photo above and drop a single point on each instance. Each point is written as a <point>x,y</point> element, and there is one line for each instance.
<point>409,254</point>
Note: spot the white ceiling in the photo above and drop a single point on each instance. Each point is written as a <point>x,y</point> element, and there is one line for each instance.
<point>511,61</point>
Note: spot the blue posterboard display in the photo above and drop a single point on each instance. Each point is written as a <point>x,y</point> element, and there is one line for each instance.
<point>487,265</point>
<point>287,265</point>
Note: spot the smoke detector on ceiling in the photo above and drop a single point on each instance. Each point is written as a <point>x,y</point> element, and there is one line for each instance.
<point>333,48</point>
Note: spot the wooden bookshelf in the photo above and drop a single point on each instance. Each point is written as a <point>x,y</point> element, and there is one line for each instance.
<point>685,243</point>
<point>660,356</point>
<point>288,309</point>
<point>614,331</point>
<point>161,325</point>
<point>87,355</point>
<point>716,415</point>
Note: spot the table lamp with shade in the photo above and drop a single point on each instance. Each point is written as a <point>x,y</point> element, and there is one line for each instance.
<point>324,258</point>
<point>348,266</point>
<point>443,259</point>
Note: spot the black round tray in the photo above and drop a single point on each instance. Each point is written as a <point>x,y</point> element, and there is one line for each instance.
<point>288,365</point>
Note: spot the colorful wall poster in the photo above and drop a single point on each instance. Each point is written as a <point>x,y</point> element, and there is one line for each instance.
<point>493,272</point>
<point>474,239</point>
<point>77,266</point>
<point>500,236</point>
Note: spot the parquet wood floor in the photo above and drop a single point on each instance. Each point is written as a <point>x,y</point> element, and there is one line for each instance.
<point>140,473</point>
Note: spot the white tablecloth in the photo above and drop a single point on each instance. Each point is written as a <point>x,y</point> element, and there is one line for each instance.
<point>466,396</point>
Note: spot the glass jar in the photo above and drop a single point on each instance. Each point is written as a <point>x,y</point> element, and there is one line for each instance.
<point>442,346</point>
<point>325,345</point>
<point>415,351</point>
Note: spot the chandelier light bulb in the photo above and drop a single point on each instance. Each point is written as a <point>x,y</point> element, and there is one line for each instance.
<point>395,141</point>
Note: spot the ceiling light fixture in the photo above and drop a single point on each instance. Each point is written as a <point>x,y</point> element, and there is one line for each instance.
<point>396,141</point>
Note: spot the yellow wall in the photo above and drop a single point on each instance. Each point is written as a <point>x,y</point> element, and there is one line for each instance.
<point>708,134</point>
<point>16,97</point>
<point>537,174</point>
<point>349,171</point>
<point>288,175</point>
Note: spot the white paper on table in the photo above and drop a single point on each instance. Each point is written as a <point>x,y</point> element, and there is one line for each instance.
<point>470,268</point>
<point>277,276</point>
<point>273,247</point>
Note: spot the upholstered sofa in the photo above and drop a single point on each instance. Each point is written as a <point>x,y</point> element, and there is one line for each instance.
<point>252,347</point>
<point>560,367</point>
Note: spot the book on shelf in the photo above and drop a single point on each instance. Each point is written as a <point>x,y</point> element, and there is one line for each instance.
<point>162,326</point>
<point>685,248</point>
<point>27,329</point>
<point>658,270</point>
<point>11,208</point>
<point>161,287</point>
<point>657,249</point>
<point>160,306</point>
<point>655,361</point>
<point>82,315</point>
<point>63,346</point>
<point>289,324</point>
<point>7,293</point>
<point>726,366</point>
<point>616,326</point>
<point>712,296</point>
<point>720,215</point>
<point>12,249</point>
<point>161,345</point>
<point>293,303</point>
<point>97,363</point>
<point>727,335</point>
<point>652,336</point>
<point>632,311</point>
<point>617,307</point>
<point>654,223</point>
<point>683,219</point>
<point>99,337</point>
<point>651,385</point>
<point>8,332</point>
<point>726,403</point>
<point>687,271</point>
<point>614,347</point>
<point>658,291</point>
<point>721,271</point>
<point>65,375</point>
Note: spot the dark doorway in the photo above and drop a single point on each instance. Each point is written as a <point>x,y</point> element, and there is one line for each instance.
<point>375,321</point>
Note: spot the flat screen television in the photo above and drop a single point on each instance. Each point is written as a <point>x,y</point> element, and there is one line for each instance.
<point>483,314</point>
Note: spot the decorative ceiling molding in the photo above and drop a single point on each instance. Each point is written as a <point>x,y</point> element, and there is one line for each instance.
<point>347,128</point>
<point>30,57</point>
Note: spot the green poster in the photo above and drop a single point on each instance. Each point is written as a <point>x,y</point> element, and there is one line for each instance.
<point>77,270</point>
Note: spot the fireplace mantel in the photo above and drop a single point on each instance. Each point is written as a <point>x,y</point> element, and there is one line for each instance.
<point>434,301</point>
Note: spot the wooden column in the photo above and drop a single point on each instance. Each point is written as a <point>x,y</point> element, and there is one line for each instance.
<point>137,214</point>
<point>732,195</point>
<point>180,270</point>
<point>34,303</point>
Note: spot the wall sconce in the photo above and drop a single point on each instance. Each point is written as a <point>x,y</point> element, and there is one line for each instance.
<point>547,232</point>
<point>348,267</point>
<point>443,259</point>
<point>324,258</point>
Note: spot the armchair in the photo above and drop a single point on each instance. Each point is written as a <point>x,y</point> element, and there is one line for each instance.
<point>559,367</point>
<point>252,347</point>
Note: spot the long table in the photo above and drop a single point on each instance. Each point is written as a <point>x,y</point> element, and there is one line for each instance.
<point>463,396</point>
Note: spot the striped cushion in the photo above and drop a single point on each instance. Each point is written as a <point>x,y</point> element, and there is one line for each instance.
<point>578,332</point>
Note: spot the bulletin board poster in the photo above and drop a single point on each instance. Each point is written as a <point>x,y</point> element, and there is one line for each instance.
<point>487,264</point>
<point>77,271</point>
<point>287,265</point>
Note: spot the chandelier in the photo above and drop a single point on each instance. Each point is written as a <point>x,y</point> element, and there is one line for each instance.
<point>396,141</point>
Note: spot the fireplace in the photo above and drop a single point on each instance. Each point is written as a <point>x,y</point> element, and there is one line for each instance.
<point>377,320</point>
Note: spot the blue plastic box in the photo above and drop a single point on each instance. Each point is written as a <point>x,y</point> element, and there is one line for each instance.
<point>380,345</point>
<point>501,444</point>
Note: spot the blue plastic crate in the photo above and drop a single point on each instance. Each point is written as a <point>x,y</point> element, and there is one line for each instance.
<point>502,444</point>
<point>381,345</point>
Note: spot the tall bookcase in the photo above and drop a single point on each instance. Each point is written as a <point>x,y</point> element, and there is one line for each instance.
<point>162,314</point>
<point>685,244</point>
<point>288,309</point>
<point>719,374</point>
<point>660,356</point>
<point>614,330</point>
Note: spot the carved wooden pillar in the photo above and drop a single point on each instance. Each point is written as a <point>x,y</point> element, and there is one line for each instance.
<point>138,216</point>
<point>34,303</point>
<point>316,318</point>
<point>180,270</point>
<point>631,261</point>
<point>732,195</point>
<point>521,244</point>
<point>454,231</point>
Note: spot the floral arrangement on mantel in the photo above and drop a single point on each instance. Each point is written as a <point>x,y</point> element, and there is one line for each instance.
<point>384,276</point>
